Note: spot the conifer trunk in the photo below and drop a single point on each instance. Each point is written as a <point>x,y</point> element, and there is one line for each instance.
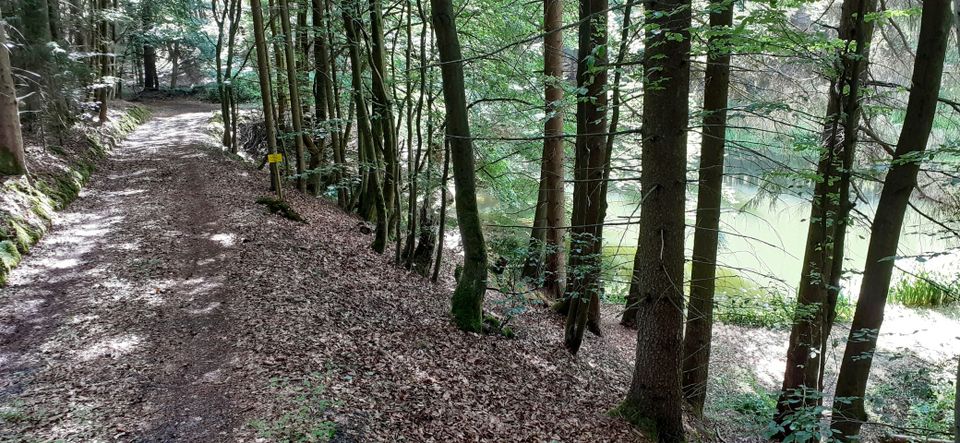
<point>699,328</point>
<point>657,282</point>
<point>467,303</point>
<point>12,161</point>
<point>849,413</point>
<point>552,184</point>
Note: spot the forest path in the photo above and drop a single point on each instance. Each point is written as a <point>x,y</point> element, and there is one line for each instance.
<point>166,305</point>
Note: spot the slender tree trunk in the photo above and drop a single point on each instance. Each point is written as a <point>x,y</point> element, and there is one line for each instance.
<point>442,224</point>
<point>657,282</point>
<point>956,401</point>
<point>383,113</point>
<point>300,137</point>
<point>899,183</point>
<point>367,141</point>
<point>699,329</point>
<point>533,264</point>
<point>468,297</point>
<point>12,161</point>
<point>827,227</point>
<point>281,87</point>
<point>263,68</point>
<point>589,202</point>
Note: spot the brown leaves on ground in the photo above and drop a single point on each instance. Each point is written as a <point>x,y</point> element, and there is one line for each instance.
<point>166,300</point>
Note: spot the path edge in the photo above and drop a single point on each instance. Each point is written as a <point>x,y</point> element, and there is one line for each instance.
<point>28,202</point>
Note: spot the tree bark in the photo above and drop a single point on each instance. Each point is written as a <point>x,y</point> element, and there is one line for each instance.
<point>263,68</point>
<point>699,328</point>
<point>104,59</point>
<point>385,126</point>
<point>817,292</point>
<point>35,57</point>
<point>367,141</point>
<point>657,282</point>
<point>589,201</point>
<point>300,138</point>
<point>849,413</point>
<point>467,303</point>
<point>12,161</point>
<point>552,184</point>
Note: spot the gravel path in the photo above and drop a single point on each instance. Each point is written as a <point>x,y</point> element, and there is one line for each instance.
<point>166,305</point>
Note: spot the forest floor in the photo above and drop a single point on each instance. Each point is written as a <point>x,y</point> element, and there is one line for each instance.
<point>166,305</point>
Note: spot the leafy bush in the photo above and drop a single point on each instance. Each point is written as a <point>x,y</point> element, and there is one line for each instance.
<point>925,290</point>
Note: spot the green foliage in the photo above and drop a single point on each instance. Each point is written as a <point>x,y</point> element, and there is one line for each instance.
<point>918,395</point>
<point>805,421</point>
<point>304,421</point>
<point>925,290</point>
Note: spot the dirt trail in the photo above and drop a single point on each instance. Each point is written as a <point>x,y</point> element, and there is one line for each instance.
<point>165,300</point>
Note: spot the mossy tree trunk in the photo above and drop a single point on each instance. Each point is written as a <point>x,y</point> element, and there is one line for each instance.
<point>468,297</point>
<point>12,161</point>
<point>699,328</point>
<point>657,282</point>
<point>589,201</point>
<point>849,413</point>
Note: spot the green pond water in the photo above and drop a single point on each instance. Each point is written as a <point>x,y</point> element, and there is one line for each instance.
<point>764,242</point>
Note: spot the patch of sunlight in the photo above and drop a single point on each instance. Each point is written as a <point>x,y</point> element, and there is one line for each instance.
<point>206,309</point>
<point>111,347</point>
<point>226,239</point>
<point>78,319</point>
<point>123,193</point>
<point>197,286</point>
<point>930,334</point>
<point>63,263</point>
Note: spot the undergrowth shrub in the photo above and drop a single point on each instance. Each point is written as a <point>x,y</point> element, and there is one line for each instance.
<point>303,419</point>
<point>925,290</point>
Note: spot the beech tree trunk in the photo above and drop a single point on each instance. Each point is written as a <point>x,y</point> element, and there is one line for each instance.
<point>467,303</point>
<point>589,202</point>
<point>104,59</point>
<point>657,283</point>
<point>12,161</point>
<point>899,183</point>
<point>366,139</point>
<point>263,71</point>
<point>699,328</point>
<point>35,56</point>
<point>383,120</point>
<point>300,138</point>
<point>818,289</point>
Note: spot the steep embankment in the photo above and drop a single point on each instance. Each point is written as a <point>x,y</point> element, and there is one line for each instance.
<point>167,305</point>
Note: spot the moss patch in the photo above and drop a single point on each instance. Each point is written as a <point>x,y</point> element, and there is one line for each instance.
<point>281,208</point>
<point>634,416</point>
<point>29,203</point>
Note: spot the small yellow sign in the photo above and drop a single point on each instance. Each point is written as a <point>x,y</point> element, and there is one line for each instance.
<point>274,158</point>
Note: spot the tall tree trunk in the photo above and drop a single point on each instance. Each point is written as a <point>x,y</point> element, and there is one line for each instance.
<point>956,401</point>
<point>533,264</point>
<point>281,87</point>
<point>35,57</point>
<point>629,316</point>
<point>263,71</point>
<point>467,303</point>
<point>300,138</point>
<point>151,81</point>
<point>12,161</point>
<point>657,282</point>
<point>367,141</point>
<point>827,226</point>
<point>175,64</point>
<point>589,202</point>
<point>551,182</point>
<point>383,113</point>
<point>899,183</point>
<point>699,329</point>
<point>104,59</point>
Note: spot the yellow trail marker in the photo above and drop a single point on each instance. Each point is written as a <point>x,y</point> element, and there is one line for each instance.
<point>274,158</point>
